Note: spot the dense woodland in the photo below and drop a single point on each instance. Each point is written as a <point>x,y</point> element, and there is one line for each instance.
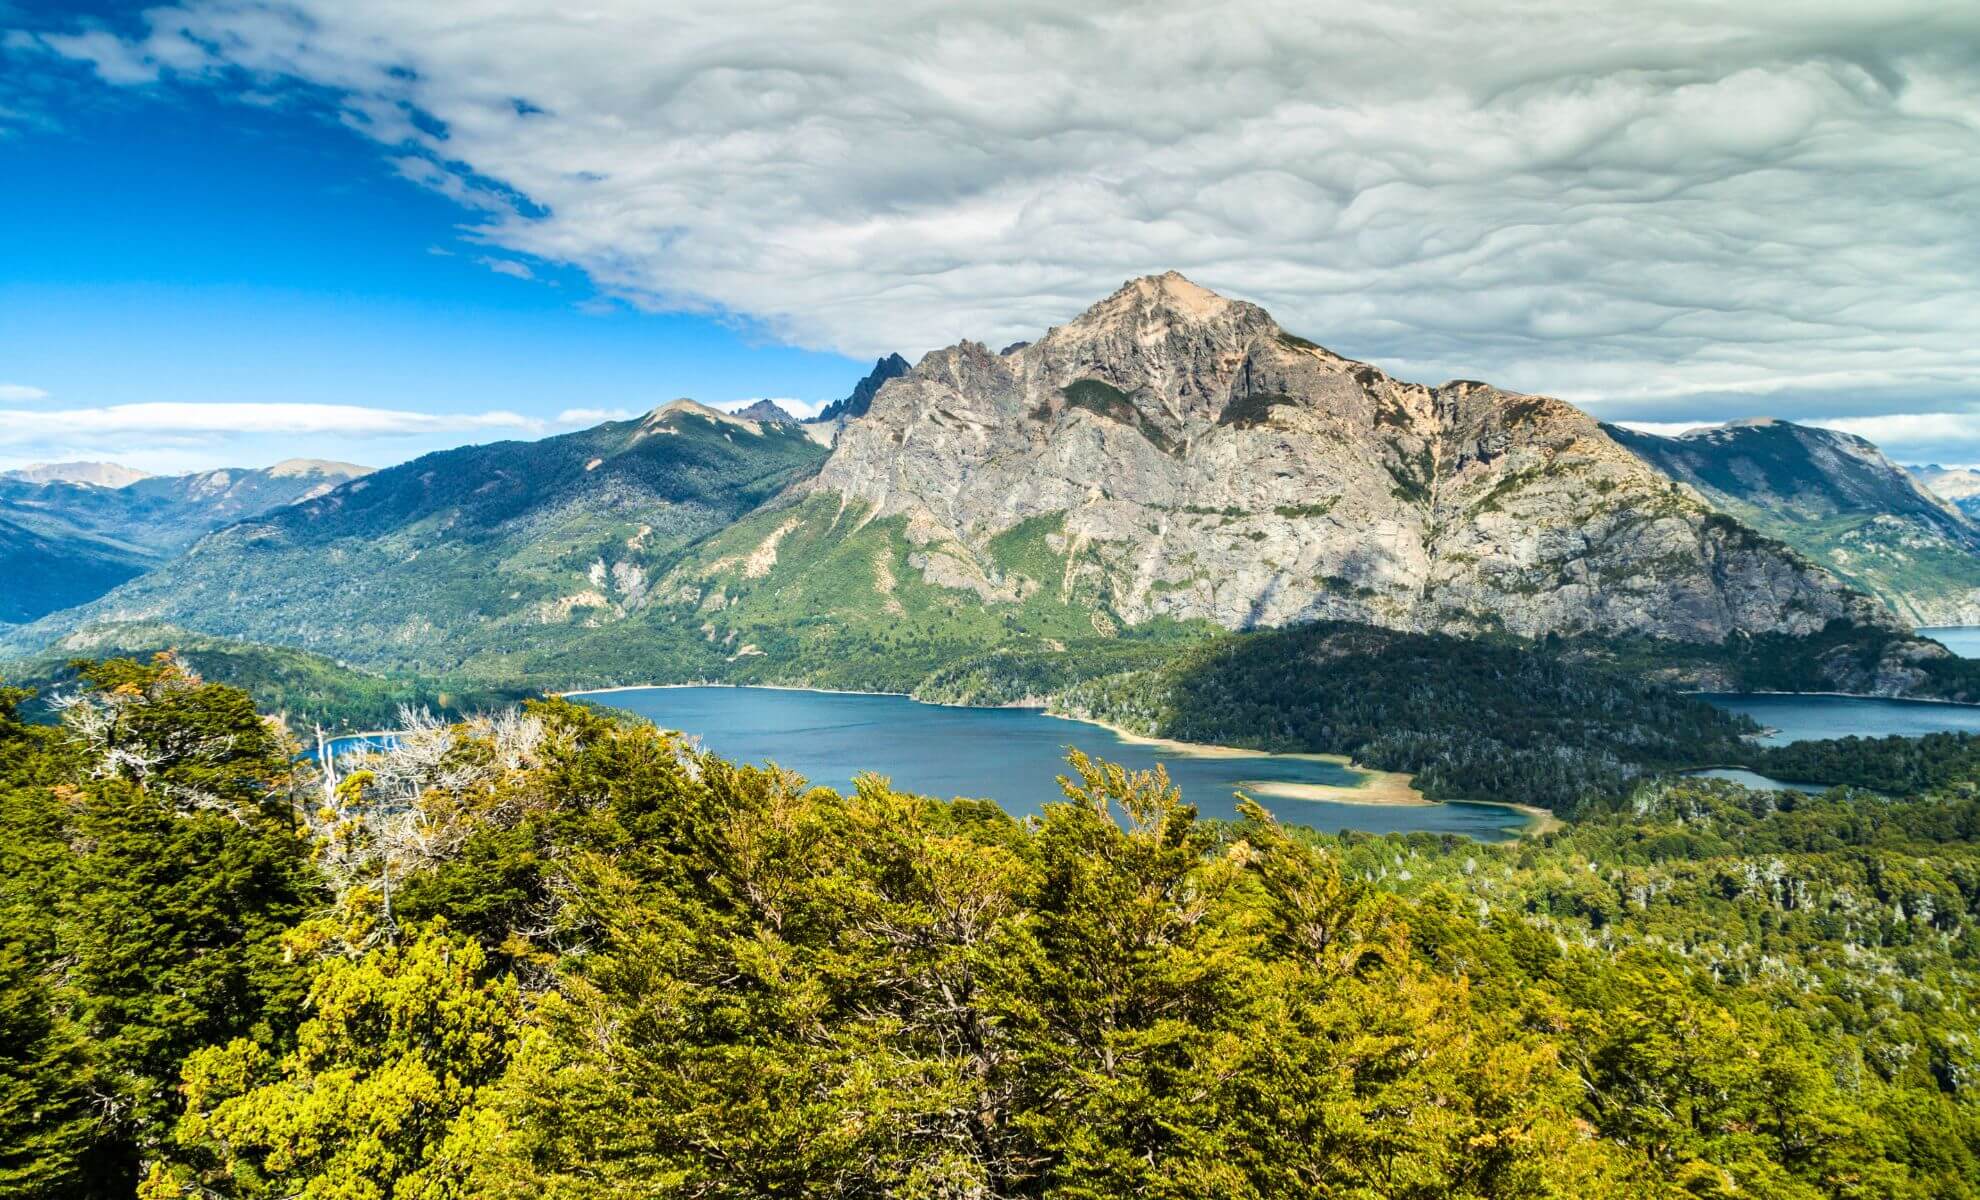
<point>1560,724</point>
<point>1472,719</point>
<point>547,953</point>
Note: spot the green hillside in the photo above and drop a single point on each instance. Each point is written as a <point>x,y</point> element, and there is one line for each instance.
<point>304,689</point>
<point>472,563</point>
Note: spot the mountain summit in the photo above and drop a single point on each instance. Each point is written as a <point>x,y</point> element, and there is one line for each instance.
<point>1173,453</point>
<point>1168,462</point>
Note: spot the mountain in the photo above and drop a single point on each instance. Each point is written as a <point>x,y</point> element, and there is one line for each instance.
<point>214,498</point>
<point>1172,457</point>
<point>49,565</point>
<point>1169,466</point>
<point>69,541</point>
<point>167,513</point>
<point>1960,485</point>
<point>855,405</point>
<point>96,474</point>
<point>472,560</point>
<point>1837,499</point>
<point>765,410</point>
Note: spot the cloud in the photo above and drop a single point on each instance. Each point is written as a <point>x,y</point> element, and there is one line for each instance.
<point>1629,205</point>
<point>507,266</point>
<point>593,416</point>
<point>18,393</point>
<point>114,59</point>
<point>168,438</point>
<point>126,424</point>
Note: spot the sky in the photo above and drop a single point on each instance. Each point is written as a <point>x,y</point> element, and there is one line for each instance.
<point>233,231</point>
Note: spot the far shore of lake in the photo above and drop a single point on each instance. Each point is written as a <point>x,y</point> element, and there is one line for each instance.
<point>1376,788</point>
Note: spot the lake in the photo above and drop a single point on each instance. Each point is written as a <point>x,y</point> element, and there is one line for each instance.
<point>1010,755</point>
<point>1798,718</point>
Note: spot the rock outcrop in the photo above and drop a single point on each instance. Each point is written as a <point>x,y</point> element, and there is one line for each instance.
<point>861,398</point>
<point>1200,462</point>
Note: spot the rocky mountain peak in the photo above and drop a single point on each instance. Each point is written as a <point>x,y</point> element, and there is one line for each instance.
<point>855,405</point>
<point>766,411</point>
<point>1196,461</point>
<point>1169,305</point>
<point>1169,295</point>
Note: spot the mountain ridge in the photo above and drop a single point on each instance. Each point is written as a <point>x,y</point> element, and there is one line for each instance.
<point>95,474</point>
<point>1837,499</point>
<point>1168,424</point>
<point>480,552</point>
<point>68,542</point>
<point>1958,486</point>
<point>1168,466</point>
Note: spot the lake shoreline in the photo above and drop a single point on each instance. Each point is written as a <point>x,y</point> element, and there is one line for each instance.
<point>1379,789</point>
<point>1701,694</point>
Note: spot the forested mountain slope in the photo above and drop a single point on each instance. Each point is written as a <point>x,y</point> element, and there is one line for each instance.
<point>1838,500</point>
<point>50,565</point>
<point>466,561</point>
<point>65,540</point>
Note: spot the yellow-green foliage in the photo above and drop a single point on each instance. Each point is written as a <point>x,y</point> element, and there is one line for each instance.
<point>579,958</point>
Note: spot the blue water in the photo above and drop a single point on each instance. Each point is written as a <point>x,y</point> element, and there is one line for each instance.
<point>1011,756</point>
<point>1963,640</point>
<point>1799,718</point>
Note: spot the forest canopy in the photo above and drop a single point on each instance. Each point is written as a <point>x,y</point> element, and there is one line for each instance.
<point>546,952</point>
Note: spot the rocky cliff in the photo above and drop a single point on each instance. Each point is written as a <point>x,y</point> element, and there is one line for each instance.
<point>1185,457</point>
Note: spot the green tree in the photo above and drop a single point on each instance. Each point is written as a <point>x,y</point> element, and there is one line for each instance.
<point>182,873</point>
<point>386,1093</point>
<point>45,1120</point>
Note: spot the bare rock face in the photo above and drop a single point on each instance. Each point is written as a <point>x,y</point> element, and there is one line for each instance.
<point>1207,464</point>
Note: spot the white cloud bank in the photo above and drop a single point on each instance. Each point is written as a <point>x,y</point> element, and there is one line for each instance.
<point>113,423</point>
<point>1648,206</point>
<point>175,437</point>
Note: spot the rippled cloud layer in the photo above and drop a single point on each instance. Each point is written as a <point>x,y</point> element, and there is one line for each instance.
<point>1668,210</point>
